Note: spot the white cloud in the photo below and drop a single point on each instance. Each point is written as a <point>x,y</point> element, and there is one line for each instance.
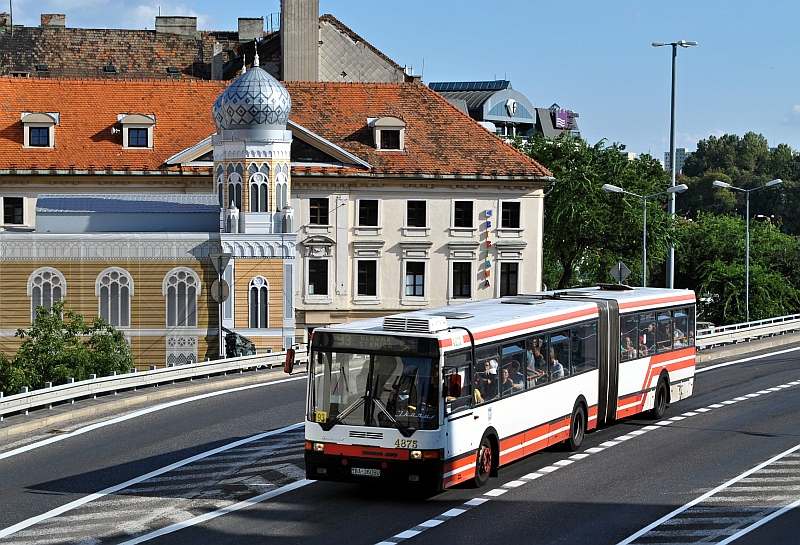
<point>796,110</point>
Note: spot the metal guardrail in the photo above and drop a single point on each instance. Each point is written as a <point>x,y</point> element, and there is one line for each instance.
<point>47,397</point>
<point>720,335</point>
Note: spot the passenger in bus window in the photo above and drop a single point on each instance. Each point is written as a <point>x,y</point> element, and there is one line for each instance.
<point>506,384</point>
<point>486,382</point>
<point>627,348</point>
<point>516,376</point>
<point>556,369</point>
<point>665,337</point>
<point>647,339</point>
<point>536,365</point>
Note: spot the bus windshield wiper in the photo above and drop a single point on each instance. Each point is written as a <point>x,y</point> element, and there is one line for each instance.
<point>406,432</point>
<point>342,415</point>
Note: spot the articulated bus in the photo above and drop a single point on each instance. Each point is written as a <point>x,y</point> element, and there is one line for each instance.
<point>445,396</point>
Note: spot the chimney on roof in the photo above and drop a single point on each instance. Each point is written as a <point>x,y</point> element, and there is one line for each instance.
<point>54,20</point>
<point>251,28</point>
<point>300,40</point>
<point>182,26</point>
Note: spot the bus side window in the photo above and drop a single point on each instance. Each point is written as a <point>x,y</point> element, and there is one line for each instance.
<point>487,371</point>
<point>558,357</point>
<point>628,327</point>
<point>456,389</point>
<point>681,327</point>
<point>647,334</point>
<point>664,332</point>
<point>584,347</point>
<point>691,327</point>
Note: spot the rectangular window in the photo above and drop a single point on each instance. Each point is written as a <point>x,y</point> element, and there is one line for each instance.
<point>137,138</point>
<point>318,277</point>
<point>318,209</point>
<point>509,215</point>
<point>462,279</point>
<point>509,275</point>
<point>415,214</point>
<point>40,137</point>
<point>390,139</point>
<point>462,214</point>
<point>12,210</point>
<point>368,213</point>
<point>628,328</point>
<point>415,279</point>
<point>367,278</point>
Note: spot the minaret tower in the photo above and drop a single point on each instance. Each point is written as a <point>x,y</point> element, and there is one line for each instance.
<point>251,152</point>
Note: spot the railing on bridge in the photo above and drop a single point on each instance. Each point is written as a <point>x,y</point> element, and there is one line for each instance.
<point>47,397</point>
<point>719,335</point>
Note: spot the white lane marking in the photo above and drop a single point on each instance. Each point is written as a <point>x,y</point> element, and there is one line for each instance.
<point>549,469</point>
<point>705,496</point>
<point>496,492</point>
<point>137,414</point>
<point>453,512</point>
<point>218,513</point>
<point>716,406</point>
<point>761,522</point>
<point>744,360</point>
<point>110,490</point>
<point>677,418</point>
<point>431,523</point>
<point>514,484</point>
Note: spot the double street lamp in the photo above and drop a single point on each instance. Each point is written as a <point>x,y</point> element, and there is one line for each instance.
<point>747,192</point>
<point>671,254</point>
<point>671,191</point>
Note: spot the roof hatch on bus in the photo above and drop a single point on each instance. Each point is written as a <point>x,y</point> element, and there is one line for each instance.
<point>431,324</point>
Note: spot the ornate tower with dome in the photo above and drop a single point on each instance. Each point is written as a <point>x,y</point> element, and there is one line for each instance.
<point>253,181</point>
<point>251,153</point>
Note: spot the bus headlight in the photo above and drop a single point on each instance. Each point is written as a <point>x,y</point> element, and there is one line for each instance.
<point>416,455</point>
<point>319,447</point>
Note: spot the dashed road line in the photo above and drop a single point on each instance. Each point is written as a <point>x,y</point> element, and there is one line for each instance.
<point>730,510</point>
<point>497,492</point>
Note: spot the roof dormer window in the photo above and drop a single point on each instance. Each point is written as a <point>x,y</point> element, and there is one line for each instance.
<point>389,133</point>
<point>39,129</point>
<point>137,130</point>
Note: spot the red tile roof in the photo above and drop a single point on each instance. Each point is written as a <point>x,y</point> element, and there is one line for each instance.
<point>439,138</point>
<point>439,141</point>
<point>88,110</point>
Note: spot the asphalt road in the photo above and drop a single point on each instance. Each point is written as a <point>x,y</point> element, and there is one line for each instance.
<point>192,471</point>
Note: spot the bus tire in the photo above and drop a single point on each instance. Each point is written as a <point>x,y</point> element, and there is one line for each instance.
<point>577,428</point>
<point>483,463</point>
<point>660,401</point>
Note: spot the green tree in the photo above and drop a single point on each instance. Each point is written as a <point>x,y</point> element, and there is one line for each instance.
<point>61,344</point>
<point>587,230</point>
<point>711,259</point>
<point>702,196</point>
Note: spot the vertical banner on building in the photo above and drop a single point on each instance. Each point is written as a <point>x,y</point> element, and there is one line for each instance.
<point>487,266</point>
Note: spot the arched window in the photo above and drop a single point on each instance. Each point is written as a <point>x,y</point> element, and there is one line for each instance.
<point>220,185</point>
<point>181,287</point>
<point>259,302</point>
<point>114,288</point>
<point>281,191</point>
<point>235,185</point>
<point>259,188</point>
<point>45,287</point>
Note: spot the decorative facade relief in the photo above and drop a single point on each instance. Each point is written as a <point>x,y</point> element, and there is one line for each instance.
<point>181,350</point>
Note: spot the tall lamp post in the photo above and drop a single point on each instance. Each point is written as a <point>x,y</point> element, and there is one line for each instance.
<point>747,192</point>
<point>671,191</point>
<point>671,254</point>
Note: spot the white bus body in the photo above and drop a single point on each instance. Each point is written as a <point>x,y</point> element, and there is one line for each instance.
<point>446,396</point>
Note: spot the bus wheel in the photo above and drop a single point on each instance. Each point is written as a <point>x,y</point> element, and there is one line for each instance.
<point>577,429</point>
<point>660,403</point>
<point>483,466</point>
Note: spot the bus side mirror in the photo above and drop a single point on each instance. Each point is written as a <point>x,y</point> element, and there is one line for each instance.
<point>289,364</point>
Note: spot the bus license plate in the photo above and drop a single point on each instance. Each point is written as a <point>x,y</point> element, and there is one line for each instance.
<point>366,472</point>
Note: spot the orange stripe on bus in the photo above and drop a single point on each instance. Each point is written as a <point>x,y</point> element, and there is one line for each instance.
<point>659,301</point>
<point>523,326</point>
<point>366,452</point>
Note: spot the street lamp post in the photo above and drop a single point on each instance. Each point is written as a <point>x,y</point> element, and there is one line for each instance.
<point>671,191</point>
<point>671,254</point>
<point>747,192</point>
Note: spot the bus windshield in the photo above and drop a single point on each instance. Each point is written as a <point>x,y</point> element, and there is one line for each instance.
<point>379,390</point>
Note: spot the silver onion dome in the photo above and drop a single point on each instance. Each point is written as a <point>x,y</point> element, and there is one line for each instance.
<point>254,99</point>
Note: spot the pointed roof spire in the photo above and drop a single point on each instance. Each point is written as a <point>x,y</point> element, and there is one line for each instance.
<point>244,64</point>
<point>255,59</point>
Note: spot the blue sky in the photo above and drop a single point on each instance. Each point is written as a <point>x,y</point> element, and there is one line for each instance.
<point>589,56</point>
